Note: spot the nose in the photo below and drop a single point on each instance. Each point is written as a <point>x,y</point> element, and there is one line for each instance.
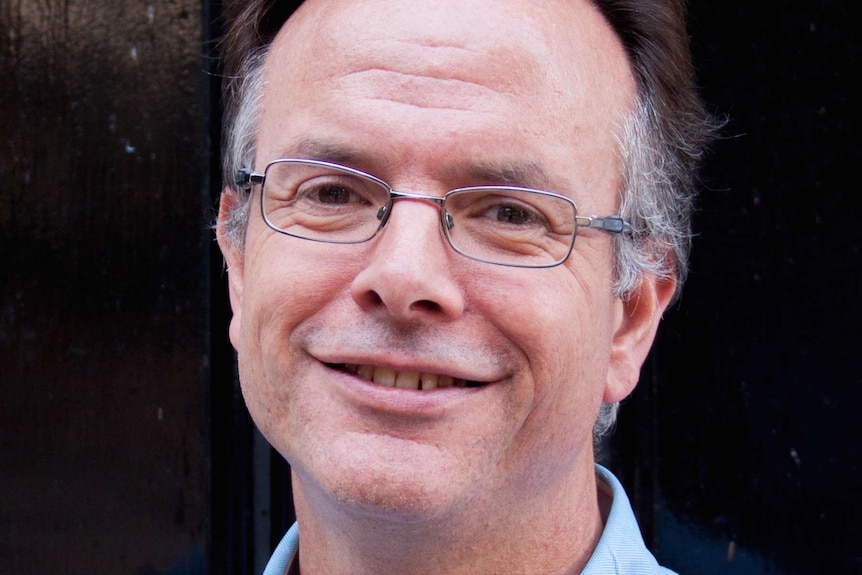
<point>408,273</point>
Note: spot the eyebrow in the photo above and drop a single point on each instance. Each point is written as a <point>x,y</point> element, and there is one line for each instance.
<point>522,173</point>
<point>313,149</point>
<point>526,174</point>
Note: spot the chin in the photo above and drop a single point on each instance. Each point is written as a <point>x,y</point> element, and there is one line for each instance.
<point>400,480</point>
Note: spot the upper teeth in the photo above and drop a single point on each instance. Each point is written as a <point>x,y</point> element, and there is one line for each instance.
<point>404,379</point>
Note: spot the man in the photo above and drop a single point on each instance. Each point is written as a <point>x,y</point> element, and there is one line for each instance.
<point>433,363</point>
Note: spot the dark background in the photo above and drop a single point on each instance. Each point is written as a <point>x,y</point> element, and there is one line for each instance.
<point>124,444</point>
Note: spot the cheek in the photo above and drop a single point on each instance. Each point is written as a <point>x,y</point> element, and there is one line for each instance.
<point>549,317</point>
<point>562,327</point>
<point>287,282</point>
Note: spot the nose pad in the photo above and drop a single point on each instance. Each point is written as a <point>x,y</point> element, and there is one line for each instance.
<point>383,214</point>
<point>448,220</point>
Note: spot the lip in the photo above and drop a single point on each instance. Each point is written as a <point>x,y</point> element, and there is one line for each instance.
<point>449,363</point>
<point>397,401</point>
<point>388,377</point>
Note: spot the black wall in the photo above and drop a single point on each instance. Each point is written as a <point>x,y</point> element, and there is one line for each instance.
<point>103,287</point>
<point>125,446</point>
<point>751,462</point>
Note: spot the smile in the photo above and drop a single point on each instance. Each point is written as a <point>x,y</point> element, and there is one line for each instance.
<point>386,377</point>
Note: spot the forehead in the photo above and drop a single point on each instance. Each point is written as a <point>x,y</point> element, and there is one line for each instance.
<point>428,34</point>
<point>549,42</point>
<point>549,72</point>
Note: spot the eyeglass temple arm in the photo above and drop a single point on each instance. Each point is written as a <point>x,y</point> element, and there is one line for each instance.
<point>245,178</point>
<point>611,224</point>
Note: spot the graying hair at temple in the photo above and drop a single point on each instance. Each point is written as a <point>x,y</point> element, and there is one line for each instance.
<point>660,144</point>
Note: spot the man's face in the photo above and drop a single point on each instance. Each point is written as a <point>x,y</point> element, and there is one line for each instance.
<point>432,95</point>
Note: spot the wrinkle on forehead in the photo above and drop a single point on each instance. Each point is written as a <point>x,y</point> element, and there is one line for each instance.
<point>421,89</point>
<point>422,39</point>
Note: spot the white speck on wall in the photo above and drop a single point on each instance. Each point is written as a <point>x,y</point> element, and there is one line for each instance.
<point>134,53</point>
<point>794,455</point>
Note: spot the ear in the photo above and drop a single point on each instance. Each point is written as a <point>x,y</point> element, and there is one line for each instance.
<point>234,260</point>
<point>637,317</point>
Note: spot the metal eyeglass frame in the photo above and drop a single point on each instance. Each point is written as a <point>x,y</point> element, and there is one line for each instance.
<point>246,178</point>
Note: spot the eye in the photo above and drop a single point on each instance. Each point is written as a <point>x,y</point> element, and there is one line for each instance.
<point>332,195</point>
<point>509,211</point>
<point>336,192</point>
<point>511,214</point>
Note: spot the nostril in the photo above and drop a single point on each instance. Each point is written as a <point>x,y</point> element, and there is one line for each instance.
<point>425,305</point>
<point>373,298</point>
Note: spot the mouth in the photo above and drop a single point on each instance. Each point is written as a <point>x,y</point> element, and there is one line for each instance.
<point>386,377</point>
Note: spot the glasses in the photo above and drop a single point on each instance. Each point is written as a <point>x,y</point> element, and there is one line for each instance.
<point>504,225</point>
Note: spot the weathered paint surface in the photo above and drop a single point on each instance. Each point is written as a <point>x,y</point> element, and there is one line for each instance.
<point>103,196</point>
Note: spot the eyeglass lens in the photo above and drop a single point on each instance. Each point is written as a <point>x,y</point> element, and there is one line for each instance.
<point>504,225</point>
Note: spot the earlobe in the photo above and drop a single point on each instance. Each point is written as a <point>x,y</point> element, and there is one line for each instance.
<point>234,262</point>
<point>636,321</point>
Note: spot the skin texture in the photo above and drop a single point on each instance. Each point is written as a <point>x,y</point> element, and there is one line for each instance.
<point>431,95</point>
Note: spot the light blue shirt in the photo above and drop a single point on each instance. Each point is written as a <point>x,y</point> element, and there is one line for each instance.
<point>621,549</point>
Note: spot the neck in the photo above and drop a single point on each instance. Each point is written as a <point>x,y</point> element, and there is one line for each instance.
<point>553,531</point>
